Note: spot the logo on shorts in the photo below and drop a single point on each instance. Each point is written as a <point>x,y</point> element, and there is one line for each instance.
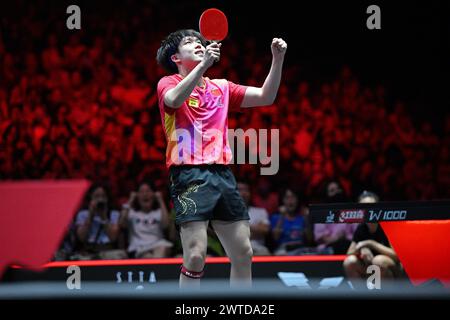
<point>188,204</point>
<point>352,216</point>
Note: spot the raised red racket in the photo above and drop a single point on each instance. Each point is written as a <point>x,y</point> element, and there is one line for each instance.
<point>213,25</point>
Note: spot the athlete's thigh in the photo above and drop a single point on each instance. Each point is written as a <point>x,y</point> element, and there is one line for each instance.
<point>193,234</point>
<point>234,235</point>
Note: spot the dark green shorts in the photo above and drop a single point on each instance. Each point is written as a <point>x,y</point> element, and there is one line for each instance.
<point>205,192</point>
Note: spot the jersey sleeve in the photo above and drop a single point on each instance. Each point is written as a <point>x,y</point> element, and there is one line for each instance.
<point>237,94</point>
<point>164,85</point>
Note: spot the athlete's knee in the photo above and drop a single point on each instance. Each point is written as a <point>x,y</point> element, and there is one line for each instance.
<point>248,254</point>
<point>195,260</point>
<point>194,257</point>
<point>243,254</point>
<point>193,263</point>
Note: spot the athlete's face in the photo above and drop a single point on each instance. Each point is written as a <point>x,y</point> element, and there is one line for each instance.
<point>190,52</point>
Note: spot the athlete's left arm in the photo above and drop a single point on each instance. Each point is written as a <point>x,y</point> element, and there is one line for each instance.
<point>266,95</point>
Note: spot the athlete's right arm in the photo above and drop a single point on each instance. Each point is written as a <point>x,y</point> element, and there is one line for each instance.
<point>175,97</point>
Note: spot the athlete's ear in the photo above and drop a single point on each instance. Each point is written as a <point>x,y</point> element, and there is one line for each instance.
<point>175,58</point>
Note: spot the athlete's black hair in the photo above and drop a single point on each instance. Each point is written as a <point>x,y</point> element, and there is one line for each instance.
<point>169,46</point>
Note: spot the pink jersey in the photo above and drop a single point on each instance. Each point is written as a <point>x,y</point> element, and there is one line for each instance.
<point>196,133</point>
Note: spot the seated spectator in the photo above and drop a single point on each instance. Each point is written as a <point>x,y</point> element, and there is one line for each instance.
<point>370,246</point>
<point>67,247</point>
<point>259,222</point>
<point>290,228</point>
<point>334,238</point>
<point>146,217</point>
<point>334,192</point>
<point>265,197</point>
<point>97,227</point>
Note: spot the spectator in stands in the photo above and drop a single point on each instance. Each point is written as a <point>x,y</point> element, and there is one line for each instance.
<point>146,218</point>
<point>334,238</point>
<point>370,246</point>
<point>265,197</point>
<point>259,222</point>
<point>67,247</point>
<point>97,226</point>
<point>290,226</point>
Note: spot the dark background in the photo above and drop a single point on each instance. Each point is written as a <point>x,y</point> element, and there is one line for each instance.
<point>409,53</point>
